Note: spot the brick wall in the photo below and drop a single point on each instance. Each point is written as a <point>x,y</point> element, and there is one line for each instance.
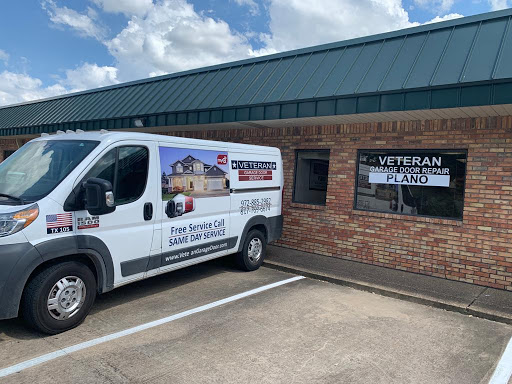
<point>477,250</point>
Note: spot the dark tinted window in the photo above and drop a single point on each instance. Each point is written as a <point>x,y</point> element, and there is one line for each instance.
<point>105,167</point>
<point>425,183</point>
<point>132,173</point>
<point>127,170</point>
<point>311,176</point>
<point>8,153</point>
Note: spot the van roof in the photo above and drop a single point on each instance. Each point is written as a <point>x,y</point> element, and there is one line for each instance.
<point>103,136</point>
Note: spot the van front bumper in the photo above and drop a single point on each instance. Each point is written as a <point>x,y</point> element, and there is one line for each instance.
<point>17,261</point>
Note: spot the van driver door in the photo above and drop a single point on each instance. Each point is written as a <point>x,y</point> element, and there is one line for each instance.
<point>128,232</point>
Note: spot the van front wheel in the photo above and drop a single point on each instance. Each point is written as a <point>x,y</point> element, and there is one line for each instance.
<point>59,297</point>
<point>253,251</point>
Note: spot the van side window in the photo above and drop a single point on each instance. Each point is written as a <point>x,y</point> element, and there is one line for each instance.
<point>104,168</point>
<point>127,170</point>
<point>132,173</point>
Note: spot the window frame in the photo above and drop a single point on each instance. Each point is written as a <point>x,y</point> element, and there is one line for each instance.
<point>391,151</point>
<point>116,167</point>
<point>297,151</point>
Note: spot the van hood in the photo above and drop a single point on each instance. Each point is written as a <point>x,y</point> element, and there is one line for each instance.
<point>13,208</point>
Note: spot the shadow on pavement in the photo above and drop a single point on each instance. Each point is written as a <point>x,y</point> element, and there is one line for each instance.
<point>16,328</point>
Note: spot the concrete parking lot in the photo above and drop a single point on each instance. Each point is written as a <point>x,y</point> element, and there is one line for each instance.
<point>301,332</point>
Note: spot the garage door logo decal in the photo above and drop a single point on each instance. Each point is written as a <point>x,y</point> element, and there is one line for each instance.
<point>254,170</point>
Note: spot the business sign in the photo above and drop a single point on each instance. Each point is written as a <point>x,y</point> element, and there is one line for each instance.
<point>254,170</point>
<point>424,170</point>
<point>247,164</point>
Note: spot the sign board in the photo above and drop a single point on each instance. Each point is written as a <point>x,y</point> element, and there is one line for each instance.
<point>424,170</point>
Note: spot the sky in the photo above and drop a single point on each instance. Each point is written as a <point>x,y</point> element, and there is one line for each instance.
<point>52,47</point>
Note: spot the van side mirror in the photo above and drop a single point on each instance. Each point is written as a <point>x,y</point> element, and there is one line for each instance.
<point>99,198</point>
<point>170,209</point>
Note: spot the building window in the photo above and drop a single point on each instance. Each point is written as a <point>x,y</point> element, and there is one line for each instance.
<point>179,168</point>
<point>311,176</point>
<point>8,153</point>
<point>412,182</point>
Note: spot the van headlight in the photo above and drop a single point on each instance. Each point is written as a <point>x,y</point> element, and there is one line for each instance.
<point>15,221</point>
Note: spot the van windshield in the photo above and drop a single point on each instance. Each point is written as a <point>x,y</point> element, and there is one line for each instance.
<point>34,170</point>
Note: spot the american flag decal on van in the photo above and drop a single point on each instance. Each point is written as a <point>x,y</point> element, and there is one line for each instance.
<point>59,223</point>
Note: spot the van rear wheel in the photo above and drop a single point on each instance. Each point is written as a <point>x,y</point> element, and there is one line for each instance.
<point>253,251</point>
<point>59,297</point>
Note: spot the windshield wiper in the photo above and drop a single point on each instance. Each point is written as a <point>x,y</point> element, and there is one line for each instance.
<point>13,198</point>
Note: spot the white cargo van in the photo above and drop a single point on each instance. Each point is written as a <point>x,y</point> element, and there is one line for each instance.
<point>84,213</point>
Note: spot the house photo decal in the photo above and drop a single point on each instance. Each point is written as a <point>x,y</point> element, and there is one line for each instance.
<point>192,172</point>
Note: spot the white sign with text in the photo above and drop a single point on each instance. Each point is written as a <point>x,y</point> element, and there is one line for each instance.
<point>410,179</point>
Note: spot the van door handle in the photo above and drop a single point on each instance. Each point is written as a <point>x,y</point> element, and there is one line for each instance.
<point>148,211</point>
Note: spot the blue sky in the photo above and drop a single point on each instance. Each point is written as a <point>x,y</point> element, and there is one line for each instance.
<point>50,47</point>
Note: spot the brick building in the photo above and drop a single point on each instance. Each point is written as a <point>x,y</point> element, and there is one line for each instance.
<point>397,148</point>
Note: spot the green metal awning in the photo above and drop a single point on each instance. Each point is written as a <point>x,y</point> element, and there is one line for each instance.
<point>458,63</point>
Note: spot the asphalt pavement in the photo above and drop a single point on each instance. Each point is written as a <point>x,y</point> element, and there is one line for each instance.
<point>301,331</point>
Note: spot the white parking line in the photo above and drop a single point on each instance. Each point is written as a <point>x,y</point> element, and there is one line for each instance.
<point>503,370</point>
<point>87,344</point>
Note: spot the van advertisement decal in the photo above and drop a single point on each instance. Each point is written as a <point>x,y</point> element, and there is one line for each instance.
<point>254,170</point>
<point>198,250</point>
<point>197,232</point>
<point>192,173</point>
<point>59,223</point>
<point>88,222</point>
<point>255,206</point>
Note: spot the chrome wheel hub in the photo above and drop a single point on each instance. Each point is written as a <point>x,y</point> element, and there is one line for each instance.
<point>255,250</point>
<point>66,298</point>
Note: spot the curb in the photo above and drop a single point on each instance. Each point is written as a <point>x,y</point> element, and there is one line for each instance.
<point>389,293</point>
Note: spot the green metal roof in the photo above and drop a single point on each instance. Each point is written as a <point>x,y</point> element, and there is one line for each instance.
<point>463,62</point>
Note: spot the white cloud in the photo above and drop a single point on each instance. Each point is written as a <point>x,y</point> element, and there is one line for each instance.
<point>84,24</point>
<point>20,87</point>
<point>89,76</point>
<point>127,7</point>
<point>435,5</point>
<point>450,16</point>
<point>4,56</point>
<point>173,37</point>
<point>496,5</point>
<point>301,23</point>
<point>254,8</point>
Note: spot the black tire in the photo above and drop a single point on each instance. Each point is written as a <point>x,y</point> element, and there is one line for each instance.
<point>34,303</point>
<point>244,259</point>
